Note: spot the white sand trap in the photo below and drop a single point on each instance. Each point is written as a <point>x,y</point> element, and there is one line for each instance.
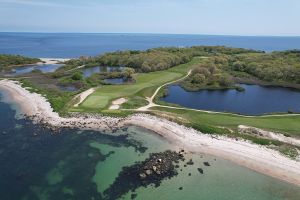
<point>117,103</point>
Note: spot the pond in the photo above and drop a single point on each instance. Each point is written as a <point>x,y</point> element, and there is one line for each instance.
<point>87,72</point>
<point>115,81</point>
<point>255,100</point>
<point>45,68</point>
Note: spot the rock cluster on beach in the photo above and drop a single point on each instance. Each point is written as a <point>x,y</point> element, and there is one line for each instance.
<point>160,164</point>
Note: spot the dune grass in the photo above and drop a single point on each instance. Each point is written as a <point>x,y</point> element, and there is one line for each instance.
<point>283,124</point>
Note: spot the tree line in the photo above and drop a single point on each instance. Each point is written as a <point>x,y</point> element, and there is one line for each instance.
<point>153,59</point>
<point>8,61</point>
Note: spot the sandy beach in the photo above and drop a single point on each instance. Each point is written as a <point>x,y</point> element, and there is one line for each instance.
<point>255,157</point>
<point>53,60</point>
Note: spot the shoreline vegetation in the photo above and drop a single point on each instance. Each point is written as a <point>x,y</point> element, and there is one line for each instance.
<point>242,152</point>
<point>268,144</point>
<point>7,62</point>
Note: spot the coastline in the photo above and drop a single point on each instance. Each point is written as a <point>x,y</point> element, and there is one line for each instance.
<point>255,157</point>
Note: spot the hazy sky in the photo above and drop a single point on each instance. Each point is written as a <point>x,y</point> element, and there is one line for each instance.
<point>221,17</point>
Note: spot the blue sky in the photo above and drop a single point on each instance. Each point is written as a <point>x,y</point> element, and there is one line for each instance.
<point>220,17</point>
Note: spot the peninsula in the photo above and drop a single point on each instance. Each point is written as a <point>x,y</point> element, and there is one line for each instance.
<point>68,97</point>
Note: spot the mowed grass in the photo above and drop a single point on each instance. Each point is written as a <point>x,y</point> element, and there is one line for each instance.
<point>283,124</point>
<point>145,85</point>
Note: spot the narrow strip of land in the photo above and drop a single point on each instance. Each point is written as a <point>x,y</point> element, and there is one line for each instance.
<point>151,99</point>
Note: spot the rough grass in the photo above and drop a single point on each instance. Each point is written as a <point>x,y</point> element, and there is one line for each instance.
<point>283,124</point>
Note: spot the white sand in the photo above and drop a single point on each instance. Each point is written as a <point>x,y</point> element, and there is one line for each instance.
<point>53,60</point>
<point>82,96</point>
<point>117,103</point>
<point>258,158</point>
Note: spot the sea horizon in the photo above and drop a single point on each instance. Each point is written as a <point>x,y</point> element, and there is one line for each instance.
<point>73,45</point>
<point>147,33</point>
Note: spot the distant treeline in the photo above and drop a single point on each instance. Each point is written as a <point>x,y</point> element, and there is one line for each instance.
<point>7,61</point>
<point>154,59</point>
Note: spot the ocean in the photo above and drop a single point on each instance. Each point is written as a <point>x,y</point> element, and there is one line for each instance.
<point>72,45</point>
<point>37,164</point>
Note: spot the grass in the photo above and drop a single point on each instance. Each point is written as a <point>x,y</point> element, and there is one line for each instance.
<point>145,85</point>
<point>59,100</point>
<point>289,151</point>
<point>284,124</point>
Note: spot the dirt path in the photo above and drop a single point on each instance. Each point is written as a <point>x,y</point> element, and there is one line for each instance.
<point>150,99</point>
<point>151,104</point>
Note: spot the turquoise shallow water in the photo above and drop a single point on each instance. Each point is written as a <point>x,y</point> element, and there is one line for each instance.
<point>37,164</point>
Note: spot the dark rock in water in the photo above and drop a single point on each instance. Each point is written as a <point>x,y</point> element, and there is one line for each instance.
<point>190,162</point>
<point>133,196</point>
<point>148,172</point>
<point>184,165</point>
<point>206,163</point>
<point>143,175</point>
<point>152,171</point>
<point>190,174</point>
<point>200,170</point>
<point>181,188</point>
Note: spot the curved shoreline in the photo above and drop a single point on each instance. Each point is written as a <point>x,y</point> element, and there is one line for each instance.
<point>255,157</point>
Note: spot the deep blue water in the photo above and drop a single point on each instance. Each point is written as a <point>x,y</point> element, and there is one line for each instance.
<point>70,45</point>
<point>255,100</point>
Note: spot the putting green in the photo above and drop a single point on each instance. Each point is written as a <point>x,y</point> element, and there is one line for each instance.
<point>144,86</point>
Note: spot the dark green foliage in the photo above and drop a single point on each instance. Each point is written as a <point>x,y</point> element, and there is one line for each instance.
<point>273,67</point>
<point>7,61</point>
<point>153,59</point>
<point>207,75</point>
<point>222,70</point>
<point>77,76</point>
<point>57,98</point>
<point>128,72</point>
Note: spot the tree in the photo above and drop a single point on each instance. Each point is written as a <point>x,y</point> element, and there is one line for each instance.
<point>225,81</point>
<point>198,79</point>
<point>128,72</point>
<point>77,76</point>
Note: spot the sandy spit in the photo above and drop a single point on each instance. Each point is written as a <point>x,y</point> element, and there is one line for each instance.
<point>255,157</point>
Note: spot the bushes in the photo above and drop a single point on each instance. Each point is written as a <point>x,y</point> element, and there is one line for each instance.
<point>154,59</point>
<point>206,75</point>
<point>77,76</point>
<point>6,61</point>
<point>273,67</point>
